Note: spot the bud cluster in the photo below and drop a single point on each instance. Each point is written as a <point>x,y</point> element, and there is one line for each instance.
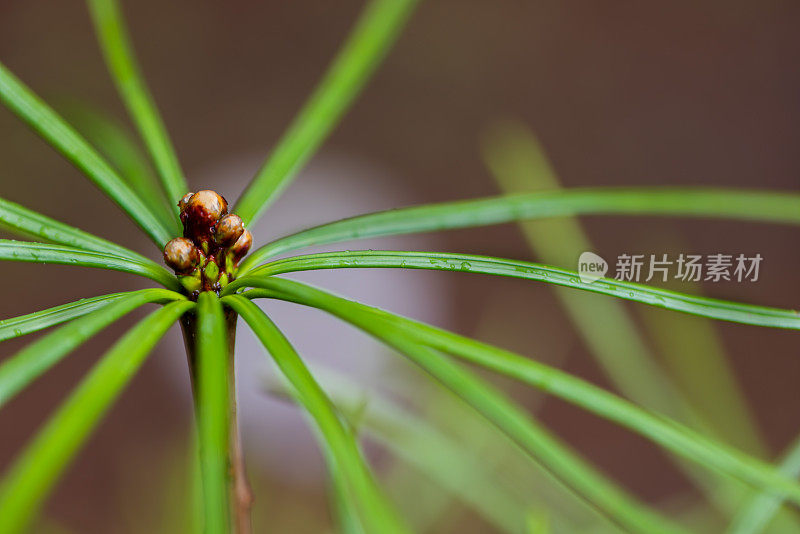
<point>214,241</point>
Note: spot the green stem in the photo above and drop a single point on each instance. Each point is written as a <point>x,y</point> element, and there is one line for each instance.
<point>240,493</point>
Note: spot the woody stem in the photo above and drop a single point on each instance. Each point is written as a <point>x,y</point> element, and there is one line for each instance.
<point>241,493</point>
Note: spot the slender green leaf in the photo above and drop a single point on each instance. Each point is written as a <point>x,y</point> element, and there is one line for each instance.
<point>544,447</point>
<point>368,43</point>
<point>213,411</point>
<point>52,128</point>
<point>26,251</point>
<point>756,514</point>
<point>537,441</point>
<point>538,522</point>
<point>117,144</point>
<point>463,473</point>
<point>32,322</point>
<point>663,298</point>
<point>751,205</point>
<point>118,53</point>
<point>27,222</point>
<point>495,454</point>
<point>17,371</point>
<point>31,477</point>
<point>696,353</point>
<point>342,504</point>
<point>377,513</point>
<point>667,433</point>
<point>518,164</point>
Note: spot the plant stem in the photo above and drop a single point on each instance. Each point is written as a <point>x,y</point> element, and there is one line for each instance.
<point>241,494</point>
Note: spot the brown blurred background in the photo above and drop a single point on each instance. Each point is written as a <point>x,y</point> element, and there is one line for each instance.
<point>619,93</point>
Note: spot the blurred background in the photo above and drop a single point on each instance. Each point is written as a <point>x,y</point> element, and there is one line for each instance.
<point>626,93</point>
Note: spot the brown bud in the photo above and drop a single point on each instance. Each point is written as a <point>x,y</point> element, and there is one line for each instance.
<point>242,246</point>
<point>229,228</point>
<point>208,203</point>
<point>201,213</point>
<point>181,254</point>
<point>182,203</point>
